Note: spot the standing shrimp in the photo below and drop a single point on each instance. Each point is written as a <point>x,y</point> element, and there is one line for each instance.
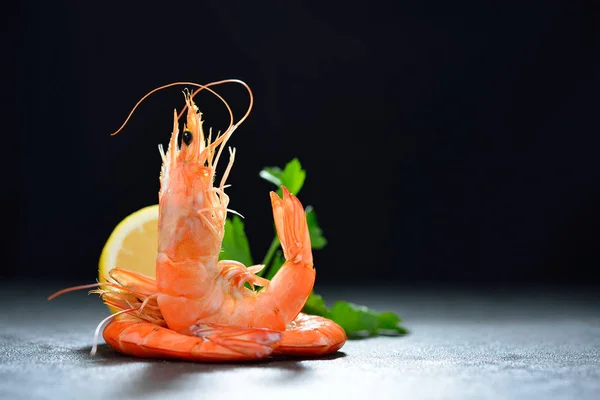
<point>199,308</point>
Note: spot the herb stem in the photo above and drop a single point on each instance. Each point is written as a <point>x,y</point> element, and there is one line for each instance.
<point>269,256</point>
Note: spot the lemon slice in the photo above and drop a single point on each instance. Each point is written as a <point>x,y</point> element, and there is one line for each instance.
<point>133,244</point>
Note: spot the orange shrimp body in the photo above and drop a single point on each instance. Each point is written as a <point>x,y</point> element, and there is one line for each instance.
<point>199,308</point>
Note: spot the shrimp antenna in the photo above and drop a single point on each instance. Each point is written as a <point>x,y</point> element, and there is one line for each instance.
<point>200,87</point>
<point>221,140</point>
<point>105,320</point>
<point>181,113</point>
<point>74,288</point>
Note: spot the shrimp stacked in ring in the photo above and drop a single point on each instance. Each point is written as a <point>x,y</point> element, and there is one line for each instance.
<point>202,308</point>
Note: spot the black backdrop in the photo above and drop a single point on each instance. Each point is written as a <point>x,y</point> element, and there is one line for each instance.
<point>443,141</point>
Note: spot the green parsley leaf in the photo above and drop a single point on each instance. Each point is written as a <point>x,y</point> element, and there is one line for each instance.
<point>235,243</point>
<point>356,320</point>
<point>361,321</point>
<point>272,174</point>
<point>317,239</point>
<point>389,324</point>
<point>292,176</point>
<point>315,305</point>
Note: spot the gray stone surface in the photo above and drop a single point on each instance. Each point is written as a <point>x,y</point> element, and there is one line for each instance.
<point>464,344</point>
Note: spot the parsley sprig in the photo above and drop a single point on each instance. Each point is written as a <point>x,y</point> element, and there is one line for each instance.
<point>357,321</point>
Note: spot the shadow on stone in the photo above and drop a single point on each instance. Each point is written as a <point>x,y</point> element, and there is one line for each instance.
<point>158,375</point>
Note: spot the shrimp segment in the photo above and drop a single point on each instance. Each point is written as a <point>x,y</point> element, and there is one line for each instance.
<point>136,337</point>
<point>311,335</point>
<point>292,284</point>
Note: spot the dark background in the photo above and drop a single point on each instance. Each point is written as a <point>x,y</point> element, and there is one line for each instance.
<point>443,141</point>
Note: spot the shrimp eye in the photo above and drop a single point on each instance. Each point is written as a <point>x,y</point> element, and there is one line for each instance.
<point>187,137</point>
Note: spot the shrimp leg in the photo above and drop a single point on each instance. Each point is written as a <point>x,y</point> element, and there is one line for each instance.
<point>133,336</point>
<point>238,274</point>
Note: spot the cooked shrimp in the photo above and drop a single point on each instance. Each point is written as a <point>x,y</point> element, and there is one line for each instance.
<point>199,308</point>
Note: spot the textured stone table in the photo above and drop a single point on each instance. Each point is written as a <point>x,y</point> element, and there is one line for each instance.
<point>464,344</point>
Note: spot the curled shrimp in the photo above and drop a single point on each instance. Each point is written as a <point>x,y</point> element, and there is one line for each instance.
<point>199,308</point>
